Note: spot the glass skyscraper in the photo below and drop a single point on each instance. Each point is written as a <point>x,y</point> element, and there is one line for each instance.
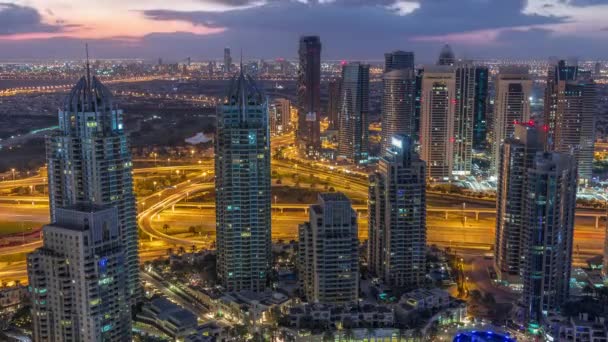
<point>353,138</point>
<point>309,95</point>
<point>397,216</point>
<point>89,161</point>
<point>242,185</point>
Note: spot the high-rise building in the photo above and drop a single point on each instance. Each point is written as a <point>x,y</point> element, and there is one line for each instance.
<point>398,104</point>
<point>557,72</point>
<point>397,216</point>
<point>309,95</point>
<point>242,185</point>
<point>574,130</point>
<point>446,56</point>
<point>354,111</point>
<point>333,104</point>
<point>511,105</point>
<point>549,221</point>
<point>280,116</point>
<point>78,278</point>
<point>480,125</point>
<point>437,112</point>
<point>398,60</point>
<point>227,60</point>
<point>89,160</point>
<point>464,118</point>
<point>328,261</point>
<point>517,155</point>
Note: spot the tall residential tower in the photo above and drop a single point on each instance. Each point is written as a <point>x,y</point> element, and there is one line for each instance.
<point>309,96</point>
<point>549,221</point>
<point>397,216</point>
<point>511,106</point>
<point>89,161</point>
<point>328,260</point>
<point>78,278</point>
<point>242,185</point>
<point>353,138</point>
<point>517,155</point>
<point>437,112</point>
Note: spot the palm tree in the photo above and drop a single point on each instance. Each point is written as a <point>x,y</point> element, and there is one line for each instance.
<point>192,249</point>
<point>165,228</point>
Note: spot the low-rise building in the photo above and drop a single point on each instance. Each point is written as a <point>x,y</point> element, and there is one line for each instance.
<point>346,316</point>
<point>577,329</point>
<point>426,298</point>
<point>168,317</point>
<point>11,298</point>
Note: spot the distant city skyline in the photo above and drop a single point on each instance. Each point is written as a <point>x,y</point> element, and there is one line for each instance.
<point>201,29</point>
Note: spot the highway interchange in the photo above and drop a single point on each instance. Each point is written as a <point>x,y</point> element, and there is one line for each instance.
<point>446,224</point>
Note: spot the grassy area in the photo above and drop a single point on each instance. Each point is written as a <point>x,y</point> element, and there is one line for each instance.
<point>8,227</point>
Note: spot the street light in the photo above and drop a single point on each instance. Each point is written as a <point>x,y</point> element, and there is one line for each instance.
<point>13,171</point>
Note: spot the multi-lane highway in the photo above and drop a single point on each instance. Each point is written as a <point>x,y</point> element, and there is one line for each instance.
<point>446,223</point>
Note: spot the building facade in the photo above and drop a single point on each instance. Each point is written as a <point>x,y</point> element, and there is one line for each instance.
<point>517,155</point>
<point>333,104</point>
<point>89,160</point>
<point>397,216</point>
<point>480,108</point>
<point>280,116</point>
<point>227,60</point>
<point>574,130</point>
<point>464,118</point>
<point>309,96</point>
<point>437,112</point>
<point>242,185</point>
<point>398,60</point>
<point>446,56</point>
<point>511,105</point>
<point>558,72</point>
<point>78,278</point>
<point>549,219</point>
<point>398,104</point>
<point>328,261</point>
<point>353,138</point>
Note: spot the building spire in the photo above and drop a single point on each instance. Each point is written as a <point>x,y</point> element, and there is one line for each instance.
<point>86,47</point>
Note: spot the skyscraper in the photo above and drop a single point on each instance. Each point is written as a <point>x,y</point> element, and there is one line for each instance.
<point>511,105</point>
<point>437,112</point>
<point>354,111</point>
<point>464,117</point>
<point>78,278</point>
<point>333,104</point>
<point>398,104</point>
<point>227,60</point>
<point>446,56</point>
<point>398,60</point>
<point>89,160</point>
<point>328,261</point>
<point>397,216</point>
<point>549,221</point>
<point>517,155</point>
<point>279,113</point>
<point>558,72</point>
<point>242,185</point>
<point>574,130</point>
<point>480,125</point>
<point>309,95</point>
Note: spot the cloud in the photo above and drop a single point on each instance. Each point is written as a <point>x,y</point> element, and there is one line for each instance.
<point>15,19</point>
<point>350,29</point>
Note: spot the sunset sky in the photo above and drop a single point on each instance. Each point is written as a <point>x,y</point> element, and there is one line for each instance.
<point>350,29</point>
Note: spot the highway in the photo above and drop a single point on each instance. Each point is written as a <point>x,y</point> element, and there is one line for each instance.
<point>446,225</point>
